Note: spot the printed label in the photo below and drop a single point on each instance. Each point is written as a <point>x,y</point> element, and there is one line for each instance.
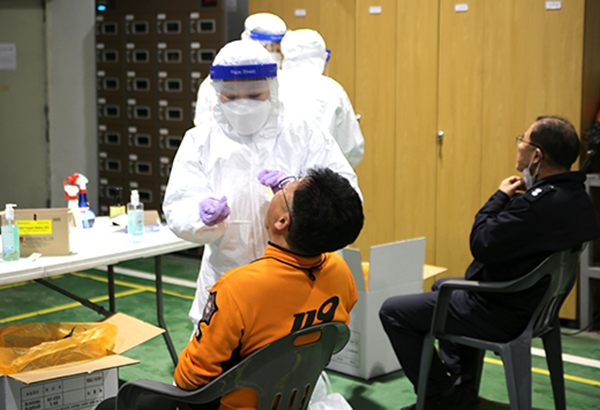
<point>41,227</point>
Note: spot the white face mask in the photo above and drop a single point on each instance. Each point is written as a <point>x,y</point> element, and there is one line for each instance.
<point>277,58</point>
<point>246,116</point>
<point>527,177</point>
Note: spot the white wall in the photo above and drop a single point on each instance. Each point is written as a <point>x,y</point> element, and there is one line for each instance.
<point>48,103</point>
<point>72,95</point>
<point>24,163</point>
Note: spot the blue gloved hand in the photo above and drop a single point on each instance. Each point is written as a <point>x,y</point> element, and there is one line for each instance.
<point>214,211</point>
<point>271,178</point>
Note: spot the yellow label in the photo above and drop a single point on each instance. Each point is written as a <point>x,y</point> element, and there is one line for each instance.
<point>43,227</point>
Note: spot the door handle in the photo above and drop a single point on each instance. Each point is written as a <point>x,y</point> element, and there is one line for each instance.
<point>440,136</point>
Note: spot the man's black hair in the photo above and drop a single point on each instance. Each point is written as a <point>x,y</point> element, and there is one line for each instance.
<point>558,139</point>
<point>327,213</point>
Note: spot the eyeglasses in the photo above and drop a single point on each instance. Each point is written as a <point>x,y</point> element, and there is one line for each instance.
<point>287,180</point>
<point>520,140</point>
<point>281,185</point>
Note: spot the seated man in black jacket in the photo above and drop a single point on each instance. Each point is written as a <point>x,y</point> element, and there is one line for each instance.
<point>511,235</point>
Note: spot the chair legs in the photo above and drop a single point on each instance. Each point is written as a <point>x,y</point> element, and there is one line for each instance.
<point>553,347</point>
<point>426,356</point>
<point>477,369</point>
<point>516,357</point>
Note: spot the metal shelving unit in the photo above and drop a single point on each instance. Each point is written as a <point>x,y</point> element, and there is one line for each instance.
<point>588,269</point>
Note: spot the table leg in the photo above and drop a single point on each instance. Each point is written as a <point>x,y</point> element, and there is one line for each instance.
<point>111,288</point>
<point>159,308</point>
<point>85,302</point>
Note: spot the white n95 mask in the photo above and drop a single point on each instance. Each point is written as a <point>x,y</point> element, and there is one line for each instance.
<point>527,177</point>
<point>246,116</point>
<point>277,58</point>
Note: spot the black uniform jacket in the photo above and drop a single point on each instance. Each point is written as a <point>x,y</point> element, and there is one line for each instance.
<point>511,237</point>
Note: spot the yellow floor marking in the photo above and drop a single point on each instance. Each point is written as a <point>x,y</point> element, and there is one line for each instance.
<point>546,372</point>
<point>136,289</point>
<point>67,306</point>
<point>132,285</point>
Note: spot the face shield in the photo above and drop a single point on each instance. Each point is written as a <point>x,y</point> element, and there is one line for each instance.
<point>247,95</point>
<point>326,69</point>
<point>267,30</point>
<point>272,42</point>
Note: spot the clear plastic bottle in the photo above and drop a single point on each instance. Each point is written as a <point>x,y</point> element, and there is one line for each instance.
<point>11,248</point>
<point>135,216</point>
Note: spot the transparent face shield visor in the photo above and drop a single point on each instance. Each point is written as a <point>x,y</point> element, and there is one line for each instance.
<point>272,42</point>
<point>232,90</point>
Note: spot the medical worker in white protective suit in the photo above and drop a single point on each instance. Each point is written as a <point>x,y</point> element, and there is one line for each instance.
<point>267,30</point>
<point>216,192</point>
<point>304,87</point>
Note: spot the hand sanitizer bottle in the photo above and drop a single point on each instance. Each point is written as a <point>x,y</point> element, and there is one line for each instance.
<point>11,250</point>
<point>135,215</point>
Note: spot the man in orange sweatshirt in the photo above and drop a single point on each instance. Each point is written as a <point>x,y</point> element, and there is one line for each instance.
<point>298,282</point>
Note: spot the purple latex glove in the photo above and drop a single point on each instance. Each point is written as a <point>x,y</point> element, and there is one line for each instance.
<point>214,211</point>
<point>271,178</point>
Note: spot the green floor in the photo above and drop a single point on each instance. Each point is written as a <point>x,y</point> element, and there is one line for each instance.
<point>29,301</point>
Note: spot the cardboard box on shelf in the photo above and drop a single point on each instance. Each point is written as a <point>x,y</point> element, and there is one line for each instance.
<point>80,385</point>
<point>44,230</point>
<point>394,269</point>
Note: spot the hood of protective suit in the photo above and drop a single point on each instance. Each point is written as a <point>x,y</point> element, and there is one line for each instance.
<point>249,63</point>
<point>304,49</point>
<point>265,23</point>
<point>267,30</point>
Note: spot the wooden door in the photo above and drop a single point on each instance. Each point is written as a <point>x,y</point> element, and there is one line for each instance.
<point>555,45</point>
<point>375,100</point>
<point>337,25</point>
<point>301,14</point>
<point>266,6</point>
<point>459,118</point>
<point>416,121</point>
<point>533,66</point>
<point>505,84</point>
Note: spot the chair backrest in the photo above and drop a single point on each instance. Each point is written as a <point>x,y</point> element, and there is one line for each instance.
<point>285,372</point>
<point>561,268</point>
<point>282,373</point>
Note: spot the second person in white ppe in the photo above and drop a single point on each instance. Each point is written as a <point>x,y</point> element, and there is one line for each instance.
<point>303,87</point>
<point>264,28</point>
<point>214,196</point>
<point>268,30</point>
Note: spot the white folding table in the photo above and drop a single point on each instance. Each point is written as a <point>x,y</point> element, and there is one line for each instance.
<point>97,247</point>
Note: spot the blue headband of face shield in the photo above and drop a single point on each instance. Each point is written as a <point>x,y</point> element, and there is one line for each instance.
<point>274,38</point>
<point>243,72</point>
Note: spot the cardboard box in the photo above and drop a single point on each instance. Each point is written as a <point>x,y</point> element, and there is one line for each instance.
<point>394,269</point>
<point>45,231</point>
<point>430,275</point>
<point>80,385</point>
<point>77,392</point>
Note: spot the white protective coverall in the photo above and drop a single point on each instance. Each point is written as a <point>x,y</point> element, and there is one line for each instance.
<point>303,87</point>
<point>214,160</point>
<point>267,30</point>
